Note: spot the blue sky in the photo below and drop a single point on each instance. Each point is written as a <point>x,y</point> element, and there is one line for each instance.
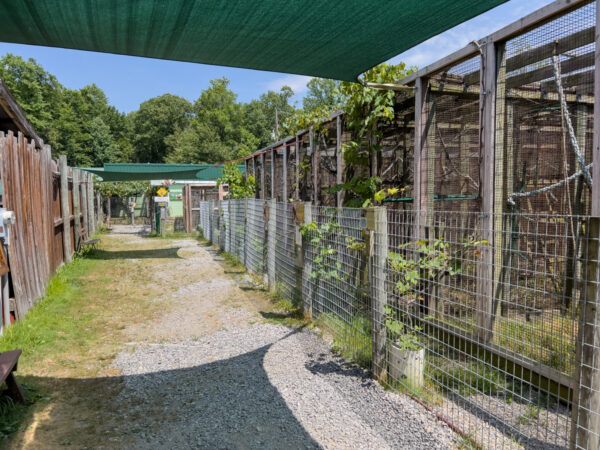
<point>129,80</point>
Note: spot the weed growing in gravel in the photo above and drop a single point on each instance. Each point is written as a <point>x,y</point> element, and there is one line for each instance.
<point>285,312</point>
<point>351,339</point>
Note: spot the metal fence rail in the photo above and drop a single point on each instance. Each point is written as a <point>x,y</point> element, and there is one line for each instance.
<point>399,293</point>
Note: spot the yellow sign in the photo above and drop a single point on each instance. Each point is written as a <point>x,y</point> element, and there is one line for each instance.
<point>162,192</point>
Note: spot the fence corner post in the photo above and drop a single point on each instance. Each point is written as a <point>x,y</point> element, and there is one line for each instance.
<point>306,288</point>
<point>585,416</point>
<point>378,243</point>
<point>64,206</point>
<point>271,240</point>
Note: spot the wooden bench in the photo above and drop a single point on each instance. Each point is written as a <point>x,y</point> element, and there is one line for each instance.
<point>87,243</point>
<point>8,365</point>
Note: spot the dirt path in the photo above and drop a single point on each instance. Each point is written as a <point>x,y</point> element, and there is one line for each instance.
<point>195,364</point>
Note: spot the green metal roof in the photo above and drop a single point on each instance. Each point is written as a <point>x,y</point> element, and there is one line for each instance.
<point>136,172</point>
<point>328,39</point>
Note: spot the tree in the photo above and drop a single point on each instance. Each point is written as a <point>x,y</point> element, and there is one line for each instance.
<point>102,145</point>
<point>217,131</point>
<point>260,115</point>
<point>153,122</point>
<point>38,92</point>
<point>323,93</point>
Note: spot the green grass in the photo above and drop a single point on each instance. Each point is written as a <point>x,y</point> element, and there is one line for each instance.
<point>285,312</point>
<point>49,328</point>
<point>351,339</point>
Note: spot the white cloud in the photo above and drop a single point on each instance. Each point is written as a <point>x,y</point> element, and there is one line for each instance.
<point>296,82</point>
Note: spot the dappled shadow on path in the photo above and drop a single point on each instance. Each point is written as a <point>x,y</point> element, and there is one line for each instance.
<point>228,403</point>
<point>135,254</point>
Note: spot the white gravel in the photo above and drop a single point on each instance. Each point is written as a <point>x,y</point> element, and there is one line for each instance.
<point>252,384</point>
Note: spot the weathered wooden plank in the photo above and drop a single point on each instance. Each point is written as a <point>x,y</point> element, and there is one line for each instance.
<point>64,206</point>
<point>596,139</point>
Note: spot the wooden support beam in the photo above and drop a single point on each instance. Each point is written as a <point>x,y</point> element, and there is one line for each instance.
<point>77,208</point>
<point>64,207</point>
<point>91,212</point>
<point>273,167</point>
<point>298,168</point>
<point>339,161</point>
<point>315,169</point>
<point>263,175</point>
<point>487,117</point>
<point>585,415</point>
<point>84,202</point>
<point>596,139</point>
<point>567,66</point>
<point>284,175</point>
<point>379,240</point>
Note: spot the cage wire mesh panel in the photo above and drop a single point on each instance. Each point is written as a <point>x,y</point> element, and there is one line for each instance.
<point>214,222</point>
<point>225,226</point>
<point>511,388</point>
<point>336,285</point>
<point>203,217</point>
<point>255,237</point>
<point>238,228</point>
<point>452,165</point>
<point>287,272</point>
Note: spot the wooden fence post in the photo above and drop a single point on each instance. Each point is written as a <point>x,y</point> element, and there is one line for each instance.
<point>339,161</point>
<point>263,185</point>
<point>64,206</point>
<point>378,245</point>
<point>485,272</point>
<point>90,192</point>
<point>284,175</point>
<point>273,173</point>
<point>99,219</point>
<point>297,174</point>
<point>84,203</point>
<point>585,412</point>
<point>316,163</point>
<point>307,299</point>
<point>271,241</point>
<point>77,208</point>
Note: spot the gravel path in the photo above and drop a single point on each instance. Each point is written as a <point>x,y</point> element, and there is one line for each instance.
<point>213,374</point>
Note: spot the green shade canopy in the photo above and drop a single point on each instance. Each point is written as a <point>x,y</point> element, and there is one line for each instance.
<point>331,39</point>
<point>137,172</point>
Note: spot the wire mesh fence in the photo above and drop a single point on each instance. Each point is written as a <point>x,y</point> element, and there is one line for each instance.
<point>407,294</point>
<point>256,237</point>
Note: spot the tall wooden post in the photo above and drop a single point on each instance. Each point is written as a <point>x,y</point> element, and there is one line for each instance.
<point>90,202</point>
<point>585,412</point>
<point>284,175</point>
<point>307,291</point>
<point>263,174</point>
<point>339,161</point>
<point>485,272</point>
<point>77,208</point>
<point>84,202</point>
<point>298,168</point>
<point>273,173</point>
<point>64,206</point>
<point>316,162</point>
<point>271,241</point>
<point>596,142</point>
<point>377,227</point>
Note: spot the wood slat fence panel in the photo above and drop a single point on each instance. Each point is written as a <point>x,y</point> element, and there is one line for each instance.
<point>31,188</point>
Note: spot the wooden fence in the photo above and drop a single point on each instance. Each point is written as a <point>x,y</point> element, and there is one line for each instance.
<point>52,204</point>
